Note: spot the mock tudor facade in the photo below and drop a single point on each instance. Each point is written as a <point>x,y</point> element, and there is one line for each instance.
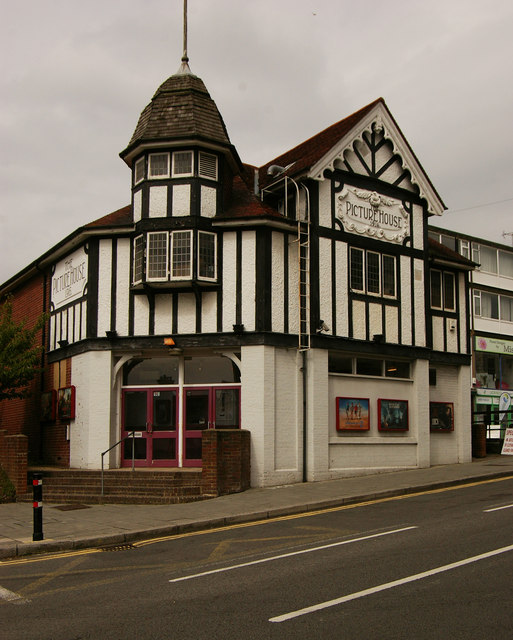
<point>301,301</point>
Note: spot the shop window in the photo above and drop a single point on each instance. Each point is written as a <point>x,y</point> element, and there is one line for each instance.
<point>182,163</point>
<point>207,165</point>
<point>159,165</point>
<point>139,170</point>
<point>372,273</point>
<point>361,366</point>
<point>339,363</point>
<point>443,293</point>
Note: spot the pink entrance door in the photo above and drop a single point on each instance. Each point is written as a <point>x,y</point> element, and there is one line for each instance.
<point>152,415</point>
<point>207,408</point>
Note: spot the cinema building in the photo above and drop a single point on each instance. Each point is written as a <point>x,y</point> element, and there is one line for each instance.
<point>300,301</point>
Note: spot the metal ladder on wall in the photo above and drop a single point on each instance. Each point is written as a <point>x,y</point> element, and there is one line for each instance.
<point>303,253</point>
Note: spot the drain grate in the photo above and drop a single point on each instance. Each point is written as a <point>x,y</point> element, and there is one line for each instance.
<point>119,547</point>
<point>72,507</point>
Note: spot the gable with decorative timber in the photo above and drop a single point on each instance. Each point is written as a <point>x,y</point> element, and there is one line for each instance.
<point>375,147</point>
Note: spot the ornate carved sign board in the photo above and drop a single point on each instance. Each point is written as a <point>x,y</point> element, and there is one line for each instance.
<point>372,214</point>
<point>69,279</point>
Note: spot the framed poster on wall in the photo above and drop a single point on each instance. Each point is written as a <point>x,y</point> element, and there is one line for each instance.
<point>353,414</point>
<point>66,403</point>
<point>47,413</point>
<point>393,415</point>
<point>441,416</point>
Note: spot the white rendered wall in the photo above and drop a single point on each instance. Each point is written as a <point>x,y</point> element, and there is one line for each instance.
<point>452,385</point>
<point>187,313</point>
<point>137,206</point>
<point>248,279</point>
<point>104,286</point>
<point>420,310</point>
<point>325,276</point>
<point>278,283</point>
<point>89,432</point>
<point>122,286</point>
<point>325,203</point>
<point>462,314</point>
<point>229,279</point>
<point>293,287</point>
<point>208,312</point>
<point>181,200</point>
<point>141,316</point>
<point>406,302</point>
<point>317,410</point>
<point>269,410</point>
<point>208,201</point>
<point>158,202</point>
<point>342,293</point>
<point>163,314</point>
<point>367,452</point>
<point>418,227</point>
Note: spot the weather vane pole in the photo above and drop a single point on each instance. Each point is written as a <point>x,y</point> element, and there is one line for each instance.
<point>185,57</point>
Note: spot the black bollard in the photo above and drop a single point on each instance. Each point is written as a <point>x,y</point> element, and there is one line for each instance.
<point>37,493</point>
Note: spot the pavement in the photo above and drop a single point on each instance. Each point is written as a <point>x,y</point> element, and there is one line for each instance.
<point>105,525</point>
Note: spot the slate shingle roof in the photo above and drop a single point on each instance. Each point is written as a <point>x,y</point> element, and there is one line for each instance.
<point>180,109</point>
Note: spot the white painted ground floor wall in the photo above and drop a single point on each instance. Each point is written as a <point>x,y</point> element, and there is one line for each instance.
<point>272,410</point>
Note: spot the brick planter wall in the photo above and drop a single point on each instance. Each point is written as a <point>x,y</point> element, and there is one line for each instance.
<point>13,459</point>
<point>225,461</point>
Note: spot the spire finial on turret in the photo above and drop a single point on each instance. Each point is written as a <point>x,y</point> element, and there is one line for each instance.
<point>184,67</point>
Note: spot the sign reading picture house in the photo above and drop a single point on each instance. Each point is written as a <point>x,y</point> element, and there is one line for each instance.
<point>372,214</point>
<point>69,279</point>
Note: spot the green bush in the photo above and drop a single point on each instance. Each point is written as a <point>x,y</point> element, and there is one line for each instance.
<point>7,490</point>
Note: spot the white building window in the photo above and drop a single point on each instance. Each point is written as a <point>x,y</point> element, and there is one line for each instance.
<point>506,264</point>
<point>465,248</point>
<point>488,259</point>
<point>207,255</point>
<point>138,269</point>
<point>207,165</point>
<point>157,256</point>
<point>443,292</point>
<point>181,255</point>
<point>139,171</point>
<point>159,165</point>
<point>182,163</point>
<point>372,273</point>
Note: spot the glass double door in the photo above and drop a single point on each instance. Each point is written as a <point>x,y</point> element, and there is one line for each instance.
<point>150,418</point>
<point>153,417</point>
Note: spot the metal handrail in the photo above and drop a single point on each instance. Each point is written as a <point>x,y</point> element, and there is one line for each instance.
<point>130,435</point>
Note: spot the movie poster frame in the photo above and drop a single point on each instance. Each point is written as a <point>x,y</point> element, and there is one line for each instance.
<point>384,403</point>
<point>48,406</point>
<point>66,403</point>
<point>352,427</point>
<point>441,428</point>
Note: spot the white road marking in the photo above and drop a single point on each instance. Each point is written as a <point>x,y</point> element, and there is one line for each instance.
<point>293,553</point>
<point>507,506</point>
<point>388,585</point>
<point>13,598</point>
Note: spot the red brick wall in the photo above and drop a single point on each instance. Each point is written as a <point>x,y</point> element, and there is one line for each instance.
<point>55,446</point>
<point>21,416</point>
<point>225,461</point>
<point>13,459</point>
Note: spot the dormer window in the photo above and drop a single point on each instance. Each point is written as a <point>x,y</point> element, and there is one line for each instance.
<point>139,171</point>
<point>207,166</point>
<point>159,165</point>
<point>182,163</point>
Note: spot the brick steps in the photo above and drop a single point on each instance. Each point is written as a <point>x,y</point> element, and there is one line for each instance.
<point>71,486</point>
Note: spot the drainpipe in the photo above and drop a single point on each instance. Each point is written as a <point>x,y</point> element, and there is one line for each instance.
<point>303,355</point>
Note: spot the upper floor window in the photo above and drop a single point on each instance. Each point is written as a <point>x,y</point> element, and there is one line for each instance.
<point>207,165</point>
<point>183,163</point>
<point>360,366</point>
<point>372,273</point>
<point>506,264</point>
<point>139,170</point>
<point>443,294</point>
<point>493,306</point>
<point>159,165</point>
<point>162,256</point>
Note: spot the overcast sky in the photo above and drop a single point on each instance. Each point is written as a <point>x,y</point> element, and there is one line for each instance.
<point>76,74</point>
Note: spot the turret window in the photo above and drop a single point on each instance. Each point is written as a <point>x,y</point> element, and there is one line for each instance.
<point>159,165</point>
<point>207,166</point>
<point>162,256</point>
<point>139,171</point>
<point>182,163</point>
